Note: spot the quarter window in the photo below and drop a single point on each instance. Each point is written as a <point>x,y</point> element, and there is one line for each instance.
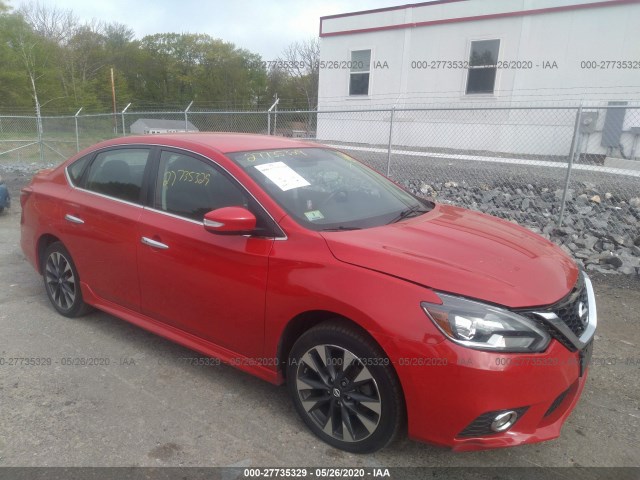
<point>76,168</point>
<point>119,173</point>
<point>483,60</point>
<point>190,187</point>
<point>359,73</point>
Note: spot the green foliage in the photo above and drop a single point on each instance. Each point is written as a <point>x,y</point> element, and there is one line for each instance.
<point>14,90</point>
<point>70,65</point>
<point>183,67</point>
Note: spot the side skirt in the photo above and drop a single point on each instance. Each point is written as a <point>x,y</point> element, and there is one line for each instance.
<point>183,338</point>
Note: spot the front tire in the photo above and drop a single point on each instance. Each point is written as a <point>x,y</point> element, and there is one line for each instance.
<point>344,388</point>
<point>62,283</point>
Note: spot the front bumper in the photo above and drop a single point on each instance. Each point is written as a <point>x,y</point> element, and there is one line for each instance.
<point>448,387</point>
<point>541,422</point>
<point>443,400</point>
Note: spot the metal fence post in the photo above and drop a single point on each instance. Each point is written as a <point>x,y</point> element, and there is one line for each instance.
<point>124,131</point>
<point>390,142</point>
<point>75,117</point>
<point>275,120</point>
<point>41,138</point>
<point>186,118</point>
<point>275,105</point>
<point>572,153</point>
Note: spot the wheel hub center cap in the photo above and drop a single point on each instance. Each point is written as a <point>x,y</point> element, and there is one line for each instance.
<point>336,392</point>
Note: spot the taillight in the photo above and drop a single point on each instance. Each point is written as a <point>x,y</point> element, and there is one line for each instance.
<point>24,196</point>
<point>25,193</point>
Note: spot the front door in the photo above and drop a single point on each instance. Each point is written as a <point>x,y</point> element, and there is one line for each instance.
<point>209,285</point>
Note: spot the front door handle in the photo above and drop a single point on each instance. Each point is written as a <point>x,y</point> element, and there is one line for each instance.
<point>72,219</point>
<point>154,243</point>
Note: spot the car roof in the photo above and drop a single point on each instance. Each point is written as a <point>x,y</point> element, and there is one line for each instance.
<point>222,142</point>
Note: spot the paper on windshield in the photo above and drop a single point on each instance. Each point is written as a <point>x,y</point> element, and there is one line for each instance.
<point>282,175</point>
<point>314,215</point>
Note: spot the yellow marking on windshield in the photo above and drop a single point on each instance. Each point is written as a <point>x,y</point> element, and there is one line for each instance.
<point>269,154</point>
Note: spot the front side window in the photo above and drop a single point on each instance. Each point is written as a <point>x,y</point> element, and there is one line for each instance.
<point>118,173</point>
<point>190,187</point>
<point>483,60</point>
<point>327,190</point>
<point>359,73</point>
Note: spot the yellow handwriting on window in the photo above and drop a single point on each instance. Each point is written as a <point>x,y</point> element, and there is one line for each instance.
<point>173,176</point>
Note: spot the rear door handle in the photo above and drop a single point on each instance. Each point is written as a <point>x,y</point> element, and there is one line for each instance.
<point>154,243</point>
<point>72,219</point>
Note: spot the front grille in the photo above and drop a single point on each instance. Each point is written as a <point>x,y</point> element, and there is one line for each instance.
<point>481,426</point>
<point>555,334</point>
<point>567,310</point>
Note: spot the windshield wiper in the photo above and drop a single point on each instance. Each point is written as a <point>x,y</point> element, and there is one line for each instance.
<point>414,211</point>
<point>341,228</point>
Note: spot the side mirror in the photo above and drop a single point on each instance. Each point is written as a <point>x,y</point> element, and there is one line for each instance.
<point>230,221</point>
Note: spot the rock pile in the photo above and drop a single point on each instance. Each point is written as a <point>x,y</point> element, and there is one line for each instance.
<point>599,229</point>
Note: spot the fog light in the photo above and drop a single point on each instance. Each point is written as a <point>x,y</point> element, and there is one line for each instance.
<point>504,421</point>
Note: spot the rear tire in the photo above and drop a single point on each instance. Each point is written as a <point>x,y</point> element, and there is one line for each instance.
<point>344,388</point>
<point>62,282</point>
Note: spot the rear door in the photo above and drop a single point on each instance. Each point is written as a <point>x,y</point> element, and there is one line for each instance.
<point>101,223</point>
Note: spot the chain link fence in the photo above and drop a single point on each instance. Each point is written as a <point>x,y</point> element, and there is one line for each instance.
<point>570,174</point>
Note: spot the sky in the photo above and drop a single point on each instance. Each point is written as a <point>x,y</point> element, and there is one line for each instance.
<point>265,27</point>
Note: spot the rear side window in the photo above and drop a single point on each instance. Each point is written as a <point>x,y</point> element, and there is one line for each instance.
<point>118,173</point>
<point>76,168</point>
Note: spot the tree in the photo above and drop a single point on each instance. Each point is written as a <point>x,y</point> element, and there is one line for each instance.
<point>50,22</point>
<point>117,36</point>
<point>301,60</point>
<point>14,89</point>
<point>43,50</point>
<point>183,67</point>
<point>34,53</point>
<point>50,59</point>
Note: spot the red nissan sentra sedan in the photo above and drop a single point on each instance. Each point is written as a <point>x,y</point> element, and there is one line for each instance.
<point>296,263</point>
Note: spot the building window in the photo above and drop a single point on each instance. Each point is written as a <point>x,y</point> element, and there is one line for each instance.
<point>482,66</point>
<point>359,74</point>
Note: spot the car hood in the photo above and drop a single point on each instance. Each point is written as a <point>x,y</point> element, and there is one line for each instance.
<point>463,252</point>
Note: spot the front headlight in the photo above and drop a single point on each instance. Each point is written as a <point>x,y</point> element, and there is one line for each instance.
<point>485,327</point>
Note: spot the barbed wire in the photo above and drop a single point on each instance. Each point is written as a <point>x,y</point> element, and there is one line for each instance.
<point>561,96</point>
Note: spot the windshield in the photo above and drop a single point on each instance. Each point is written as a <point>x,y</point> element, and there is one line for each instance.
<point>327,190</point>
